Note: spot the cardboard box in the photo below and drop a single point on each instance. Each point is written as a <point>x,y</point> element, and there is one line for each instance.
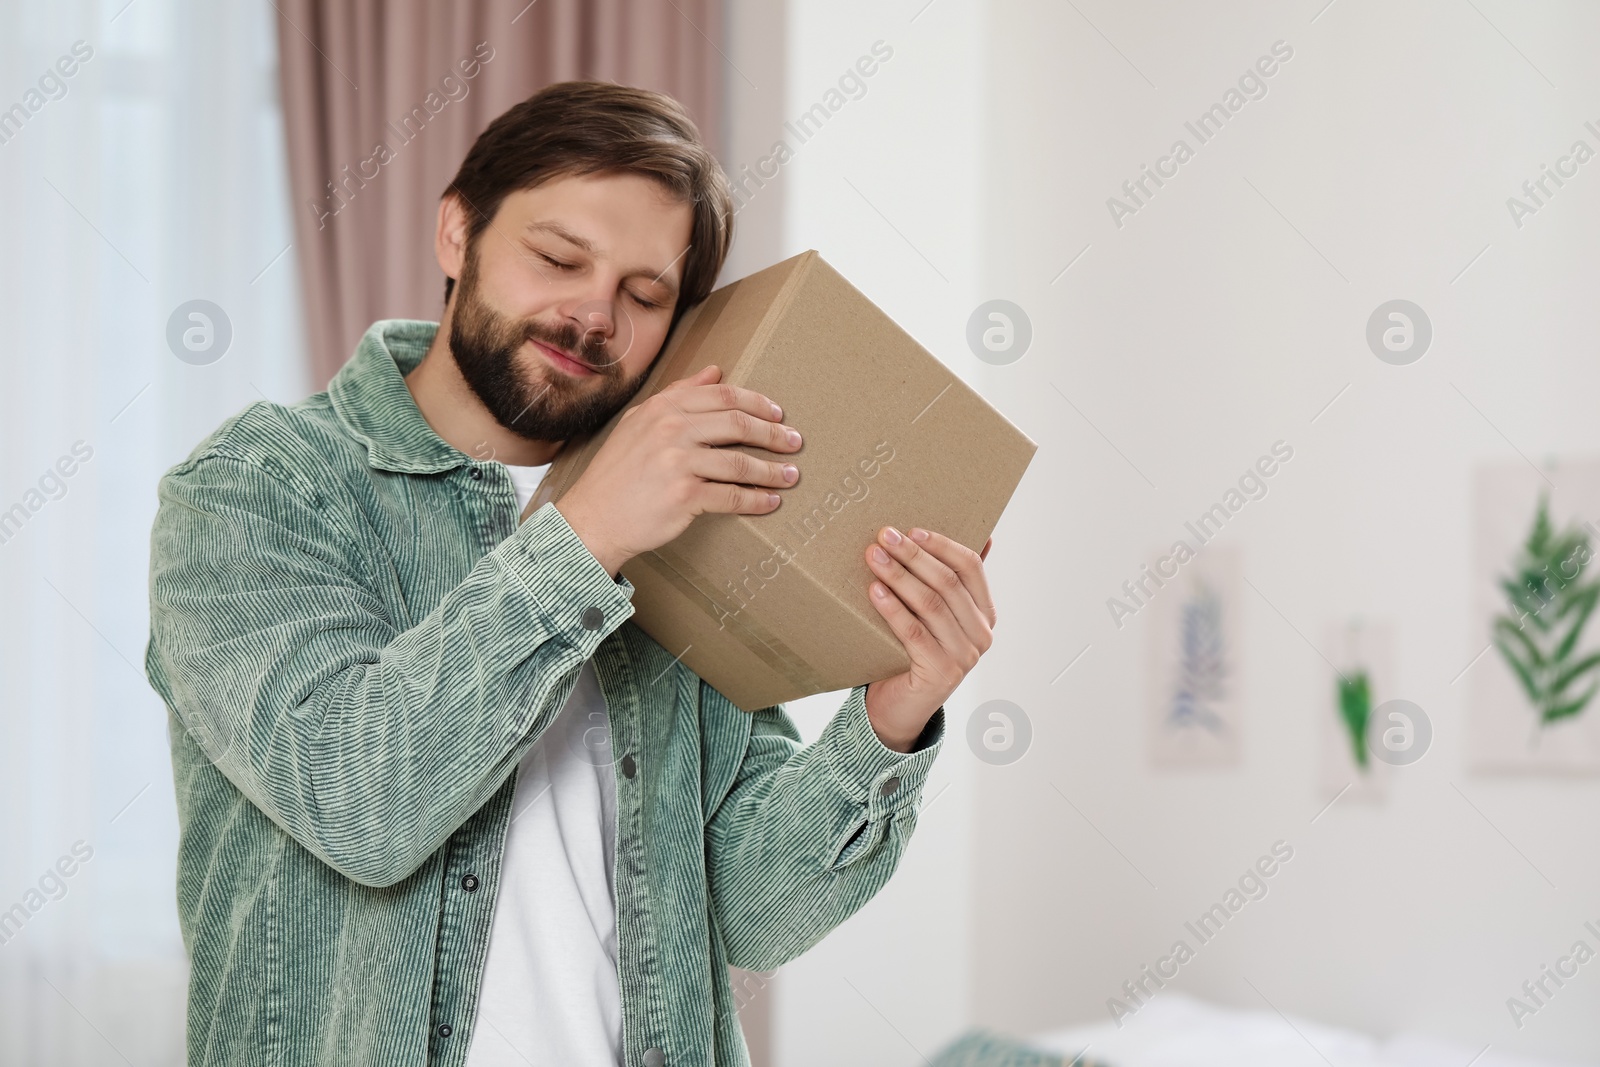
<point>770,608</point>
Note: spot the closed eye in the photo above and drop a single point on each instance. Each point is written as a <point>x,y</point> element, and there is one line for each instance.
<point>648,305</point>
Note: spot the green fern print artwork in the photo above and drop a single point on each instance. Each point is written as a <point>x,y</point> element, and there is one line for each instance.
<point>1355,709</point>
<point>1550,603</point>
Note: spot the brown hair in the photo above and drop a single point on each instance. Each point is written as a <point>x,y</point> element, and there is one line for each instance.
<point>589,127</point>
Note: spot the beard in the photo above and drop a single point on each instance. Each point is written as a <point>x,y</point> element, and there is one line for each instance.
<point>534,400</point>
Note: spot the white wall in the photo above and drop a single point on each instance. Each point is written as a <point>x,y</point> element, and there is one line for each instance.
<point>1194,336</point>
<point>1223,316</point>
<point>122,199</point>
<point>894,982</point>
<point>756,98</point>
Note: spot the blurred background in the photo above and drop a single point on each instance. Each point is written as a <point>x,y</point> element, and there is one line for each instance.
<point>1375,252</point>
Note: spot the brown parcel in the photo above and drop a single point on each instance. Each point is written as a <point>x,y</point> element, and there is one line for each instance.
<point>770,608</point>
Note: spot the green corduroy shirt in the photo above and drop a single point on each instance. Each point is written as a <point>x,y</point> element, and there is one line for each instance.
<point>357,642</point>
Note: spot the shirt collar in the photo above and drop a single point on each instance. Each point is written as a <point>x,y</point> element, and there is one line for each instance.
<point>370,397</point>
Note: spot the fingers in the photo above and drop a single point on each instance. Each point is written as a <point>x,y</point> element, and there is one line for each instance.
<point>718,414</point>
<point>936,593</point>
<point>731,465</point>
<point>726,499</point>
<point>699,409</point>
<point>705,375</point>
<point>705,391</point>
<point>965,563</point>
<point>956,588</point>
<point>925,650</point>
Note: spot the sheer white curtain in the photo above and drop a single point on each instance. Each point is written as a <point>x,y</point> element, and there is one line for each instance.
<point>141,167</point>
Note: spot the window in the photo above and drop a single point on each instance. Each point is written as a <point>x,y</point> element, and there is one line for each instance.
<point>151,175</point>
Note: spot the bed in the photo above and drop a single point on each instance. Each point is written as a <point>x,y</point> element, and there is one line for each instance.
<point>1175,1030</point>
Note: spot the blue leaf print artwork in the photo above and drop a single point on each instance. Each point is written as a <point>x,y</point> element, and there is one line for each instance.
<point>1202,666</point>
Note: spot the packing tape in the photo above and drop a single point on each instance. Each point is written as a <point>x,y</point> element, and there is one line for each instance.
<point>757,639</point>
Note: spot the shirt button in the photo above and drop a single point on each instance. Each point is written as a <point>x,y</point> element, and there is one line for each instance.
<point>592,618</point>
<point>889,785</point>
<point>445,1030</point>
<point>470,883</point>
<point>654,1057</point>
<point>477,473</point>
<point>628,766</point>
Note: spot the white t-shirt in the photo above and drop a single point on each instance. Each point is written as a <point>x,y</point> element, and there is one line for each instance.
<point>550,992</point>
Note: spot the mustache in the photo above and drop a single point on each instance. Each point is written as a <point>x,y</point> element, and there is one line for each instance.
<point>589,349</point>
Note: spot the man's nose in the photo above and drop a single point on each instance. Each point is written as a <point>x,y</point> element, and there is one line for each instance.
<point>600,331</point>
<point>597,317</point>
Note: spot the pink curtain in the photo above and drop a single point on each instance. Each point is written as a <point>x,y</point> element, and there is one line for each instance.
<point>382,99</point>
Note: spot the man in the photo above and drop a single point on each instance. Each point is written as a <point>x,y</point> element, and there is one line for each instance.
<point>440,802</point>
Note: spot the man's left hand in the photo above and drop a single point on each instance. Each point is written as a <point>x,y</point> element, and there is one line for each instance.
<point>936,600</point>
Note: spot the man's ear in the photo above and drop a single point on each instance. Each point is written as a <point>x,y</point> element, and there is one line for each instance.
<point>450,236</point>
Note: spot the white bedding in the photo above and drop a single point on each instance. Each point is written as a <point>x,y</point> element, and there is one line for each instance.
<point>1174,1030</point>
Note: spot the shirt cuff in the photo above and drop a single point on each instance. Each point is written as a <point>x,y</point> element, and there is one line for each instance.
<point>869,772</point>
<point>581,602</point>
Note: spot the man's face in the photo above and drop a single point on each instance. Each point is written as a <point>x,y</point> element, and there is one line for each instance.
<point>582,266</point>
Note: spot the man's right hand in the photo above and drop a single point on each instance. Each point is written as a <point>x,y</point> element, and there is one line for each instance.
<point>662,465</point>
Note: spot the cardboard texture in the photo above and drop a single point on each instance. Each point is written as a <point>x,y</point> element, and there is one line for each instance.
<point>770,608</point>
